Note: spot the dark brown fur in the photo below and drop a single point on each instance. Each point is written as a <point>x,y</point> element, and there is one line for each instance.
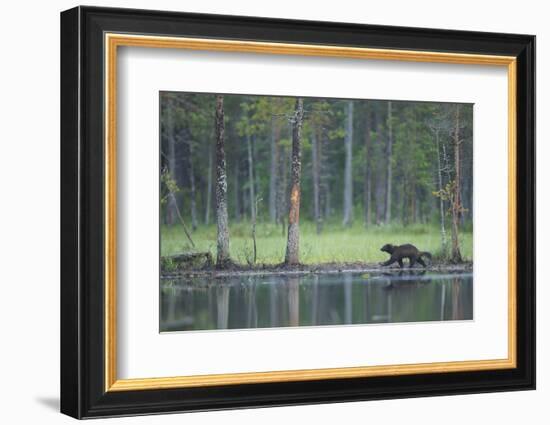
<point>397,253</point>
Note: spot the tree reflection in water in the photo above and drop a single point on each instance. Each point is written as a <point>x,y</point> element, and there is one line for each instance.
<point>245,302</point>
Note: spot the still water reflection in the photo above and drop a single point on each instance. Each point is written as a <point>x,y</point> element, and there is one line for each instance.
<point>326,299</point>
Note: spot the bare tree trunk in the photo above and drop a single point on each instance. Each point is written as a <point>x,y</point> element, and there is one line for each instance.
<point>348,183</point>
<point>415,201</point>
<point>368,199</point>
<point>389,146</point>
<point>244,201</point>
<point>273,170</point>
<point>255,157</point>
<point>193,188</point>
<point>441,201</point>
<point>404,200</point>
<point>328,200</point>
<point>293,242</point>
<point>236,193</point>
<point>208,188</point>
<point>456,256</point>
<point>379,174</point>
<point>252,196</point>
<point>367,169</point>
<point>223,257</point>
<point>381,195</point>
<point>256,202</point>
<point>315,172</point>
<point>171,206</point>
<point>324,177</point>
<point>417,198</point>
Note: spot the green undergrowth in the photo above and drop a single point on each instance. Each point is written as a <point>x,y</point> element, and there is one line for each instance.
<point>335,243</point>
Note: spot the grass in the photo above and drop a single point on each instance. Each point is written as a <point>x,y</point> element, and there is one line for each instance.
<point>334,244</point>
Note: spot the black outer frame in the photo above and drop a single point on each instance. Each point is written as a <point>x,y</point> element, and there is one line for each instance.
<point>82,219</point>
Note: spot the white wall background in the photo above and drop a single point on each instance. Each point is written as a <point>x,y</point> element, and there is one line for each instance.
<point>29,216</point>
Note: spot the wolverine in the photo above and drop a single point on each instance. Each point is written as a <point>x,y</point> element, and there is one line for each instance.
<point>397,253</point>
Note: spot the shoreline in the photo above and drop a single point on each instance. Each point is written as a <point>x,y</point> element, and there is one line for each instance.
<point>304,269</point>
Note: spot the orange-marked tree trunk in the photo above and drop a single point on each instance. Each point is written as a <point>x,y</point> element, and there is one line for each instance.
<point>293,241</point>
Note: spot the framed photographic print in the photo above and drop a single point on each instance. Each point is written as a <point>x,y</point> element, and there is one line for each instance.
<point>261,212</point>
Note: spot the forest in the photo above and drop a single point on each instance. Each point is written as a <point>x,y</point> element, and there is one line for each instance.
<point>248,181</point>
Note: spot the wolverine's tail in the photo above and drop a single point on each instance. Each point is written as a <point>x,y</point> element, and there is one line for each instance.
<point>427,254</point>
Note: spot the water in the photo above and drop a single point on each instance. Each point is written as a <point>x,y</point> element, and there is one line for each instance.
<point>245,302</point>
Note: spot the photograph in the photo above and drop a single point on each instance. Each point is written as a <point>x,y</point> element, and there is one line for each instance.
<point>285,211</point>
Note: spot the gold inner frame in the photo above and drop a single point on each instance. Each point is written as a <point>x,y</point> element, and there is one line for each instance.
<point>113,41</point>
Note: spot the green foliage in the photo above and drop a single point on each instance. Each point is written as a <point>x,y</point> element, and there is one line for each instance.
<point>447,193</point>
<point>169,186</point>
<point>168,265</point>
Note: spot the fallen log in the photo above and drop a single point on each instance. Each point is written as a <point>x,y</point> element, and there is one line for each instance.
<point>185,261</point>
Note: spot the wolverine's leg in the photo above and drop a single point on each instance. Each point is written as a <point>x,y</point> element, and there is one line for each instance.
<point>400,261</point>
<point>390,261</point>
<point>421,261</point>
<point>412,260</point>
